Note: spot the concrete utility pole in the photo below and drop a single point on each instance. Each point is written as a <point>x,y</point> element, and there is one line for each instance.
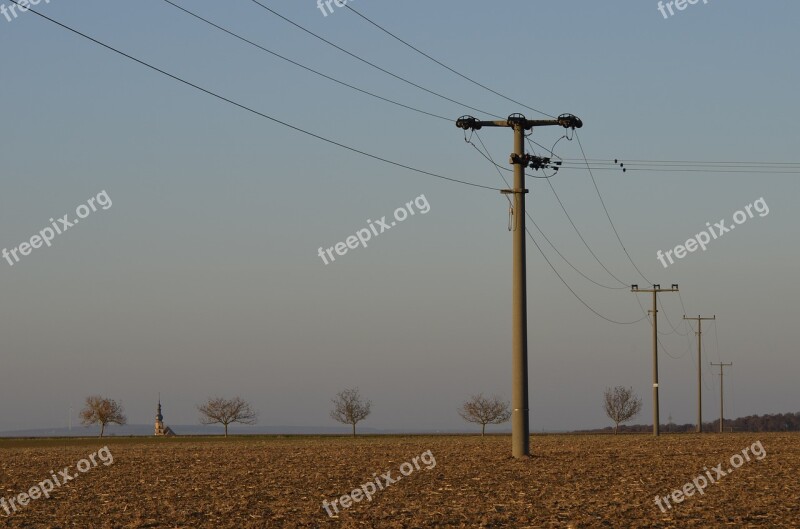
<point>699,427</point>
<point>520,426</point>
<point>655,290</point>
<point>722,366</point>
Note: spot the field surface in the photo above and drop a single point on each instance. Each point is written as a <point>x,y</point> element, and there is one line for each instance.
<point>456,481</point>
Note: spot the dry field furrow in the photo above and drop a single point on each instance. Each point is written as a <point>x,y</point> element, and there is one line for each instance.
<point>570,482</point>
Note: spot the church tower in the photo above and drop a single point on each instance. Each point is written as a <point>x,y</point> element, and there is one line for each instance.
<point>159,419</point>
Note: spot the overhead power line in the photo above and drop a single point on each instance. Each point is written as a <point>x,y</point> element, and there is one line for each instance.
<point>674,329</point>
<point>583,153</point>
<point>572,223</point>
<point>253,111</point>
<point>682,166</point>
<point>497,167</point>
<point>279,56</point>
<point>373,65</point>
<point>694,170</point>
<point>488,156</point>
<point>602,202</point>
<point>443,65</point>
<point>680,162</point>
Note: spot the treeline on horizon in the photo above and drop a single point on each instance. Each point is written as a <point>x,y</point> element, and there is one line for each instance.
<point>778,422</point>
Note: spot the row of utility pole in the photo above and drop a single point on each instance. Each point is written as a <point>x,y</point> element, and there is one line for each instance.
<point>520,422</point>
<point>654,312</point>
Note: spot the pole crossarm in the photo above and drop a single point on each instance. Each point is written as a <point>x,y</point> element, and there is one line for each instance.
<point>568,121</point>
<point>655,289</point>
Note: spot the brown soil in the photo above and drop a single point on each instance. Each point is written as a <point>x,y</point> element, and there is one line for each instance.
<point>570,482</point>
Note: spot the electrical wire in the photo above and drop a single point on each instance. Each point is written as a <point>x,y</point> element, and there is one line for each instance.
<point>664,309</point>
<point>682,166</point>
<point>680,298</point>
<point>575,227</point>
<point>666,351</point>
<point>681,162</point>
<point>650,321</point>
<point>497,165</point>
<point>279,56</point>
<point>253,111</point>
<point>488,157</point>
<point>564,209</point>
<point>373,65</point>
<point>583,153</point>
<point>697,170</point>
<point>573,292</point>
<point>530,235</point>
<point>444,65</point>
<point>647,313</point>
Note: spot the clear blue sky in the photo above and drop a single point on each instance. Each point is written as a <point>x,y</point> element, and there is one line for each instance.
<point>203,277</point>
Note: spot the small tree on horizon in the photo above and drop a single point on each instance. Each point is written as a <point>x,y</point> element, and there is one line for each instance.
<point>621,405</point>
<point>350,408</point>
<point>223,411</point>
<point>481,410</point>
<point>102,411</point>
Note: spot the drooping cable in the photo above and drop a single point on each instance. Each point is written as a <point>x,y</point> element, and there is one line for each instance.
<point>371,64</point>
<point>253,111</point>
<point>444,65</point>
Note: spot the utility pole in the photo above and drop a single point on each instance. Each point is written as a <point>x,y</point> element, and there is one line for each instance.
<point>722,366</point>
<point>699,428</point>
<point>520,425</point>
<point>655,290</point>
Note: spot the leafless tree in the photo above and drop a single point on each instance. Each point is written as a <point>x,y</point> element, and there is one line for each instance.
<point>481,410</point>
<point>350,408</point>
<point>621,405</point>
<point>224,411</point>
<point>100,410</point>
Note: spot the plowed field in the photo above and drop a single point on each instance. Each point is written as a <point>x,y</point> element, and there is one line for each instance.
<point>258,482</point>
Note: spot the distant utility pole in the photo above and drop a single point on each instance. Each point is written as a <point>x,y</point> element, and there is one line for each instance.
<point>520,426</point>
<point>699,427</point>
<point>722,366</point>
<point>655,290</point>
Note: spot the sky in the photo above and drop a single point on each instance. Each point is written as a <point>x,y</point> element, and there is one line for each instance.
<point>202,275</point>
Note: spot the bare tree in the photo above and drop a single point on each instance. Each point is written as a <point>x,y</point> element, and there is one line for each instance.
<point>225,412</point>
<point>350,408</point>
<point>481,410</point>
<point>621,405</point>
<point>100,410</point>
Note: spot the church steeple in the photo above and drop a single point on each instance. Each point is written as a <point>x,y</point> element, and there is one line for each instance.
<point>160,428</point>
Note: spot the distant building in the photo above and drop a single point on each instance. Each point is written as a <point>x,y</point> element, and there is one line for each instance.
<point>162,430</point>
